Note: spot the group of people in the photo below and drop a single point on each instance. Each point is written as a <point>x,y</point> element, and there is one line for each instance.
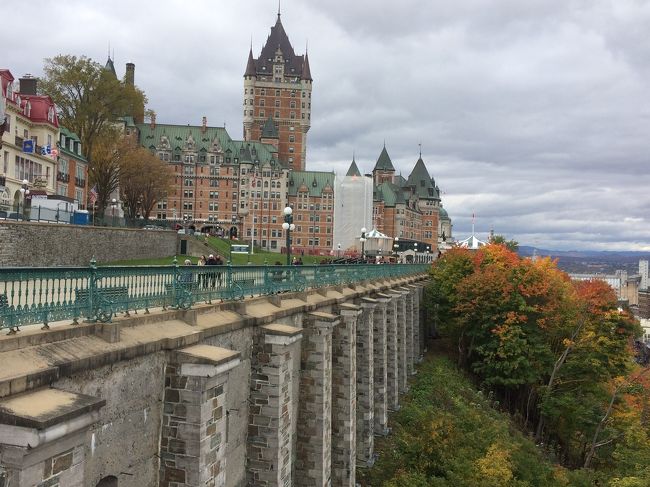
<point>206,279</point>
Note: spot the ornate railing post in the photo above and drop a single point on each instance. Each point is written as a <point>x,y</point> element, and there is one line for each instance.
<point>92,291</point>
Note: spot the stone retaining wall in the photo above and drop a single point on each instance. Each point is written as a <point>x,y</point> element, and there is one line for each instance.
<point>47,244</point>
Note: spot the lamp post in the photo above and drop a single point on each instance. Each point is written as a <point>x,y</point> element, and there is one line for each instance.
<point>415,249</point>
<point>396,248</point>
<point>362,239</point>
<point>288,226</point>
<point>24,191</point>
<point>338,251</point>
<point>113,206</point>
<point>379,255</point>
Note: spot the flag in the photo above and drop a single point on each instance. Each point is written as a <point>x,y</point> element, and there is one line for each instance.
<point>92,197</point>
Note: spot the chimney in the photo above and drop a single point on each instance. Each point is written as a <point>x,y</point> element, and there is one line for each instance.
<point>152,124</point>
<point>204,125</point>
<point>28,85</point>
<point>129,77</point>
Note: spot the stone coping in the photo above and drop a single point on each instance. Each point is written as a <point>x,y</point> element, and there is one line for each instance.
<point>382,297</point>
<point>281,330</point>
<point>349,306</point>
<point>46,407</point>
<point>206,354</point>
<point>319,315</point>
<point>369,300</point>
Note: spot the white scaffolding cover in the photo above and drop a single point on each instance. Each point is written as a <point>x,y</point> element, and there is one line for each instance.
<point>352,209</point>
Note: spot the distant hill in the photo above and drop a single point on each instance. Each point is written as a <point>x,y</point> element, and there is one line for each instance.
<point>590,260</point>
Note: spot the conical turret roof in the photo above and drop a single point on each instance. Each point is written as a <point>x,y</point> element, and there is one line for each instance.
<point>250,66</point>
<point>306,72</point>
<point>384,163</point>
<point>110,67</point>
<point>354,170</point>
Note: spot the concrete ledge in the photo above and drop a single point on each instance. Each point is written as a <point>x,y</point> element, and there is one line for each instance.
<point>205,354</point>
<point>46,407</point>
<point>206,360</point>
<point>277,334</point>
<point>281,330</point>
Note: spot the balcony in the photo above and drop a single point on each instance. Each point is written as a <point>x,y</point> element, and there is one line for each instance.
<point>81,183</point>
<point>62,177</point>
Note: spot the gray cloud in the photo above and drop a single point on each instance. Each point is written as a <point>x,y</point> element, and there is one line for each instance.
<point>534,115</point>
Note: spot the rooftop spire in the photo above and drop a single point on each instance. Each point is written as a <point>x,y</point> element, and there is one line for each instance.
<point>420,144</point>
<point>279,10</point>
<point>250,65</point>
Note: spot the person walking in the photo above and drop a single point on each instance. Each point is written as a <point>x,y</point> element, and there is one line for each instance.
<point>203,278</point>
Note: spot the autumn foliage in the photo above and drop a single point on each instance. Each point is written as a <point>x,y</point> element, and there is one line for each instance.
<point>557,353</point>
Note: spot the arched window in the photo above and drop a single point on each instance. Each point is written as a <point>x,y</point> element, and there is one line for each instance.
<point>109,481</point>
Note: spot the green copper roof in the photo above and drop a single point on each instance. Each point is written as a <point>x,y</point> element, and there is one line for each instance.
<point>354,170</point>
<point>128,121</point>
<point>69,134</point>
<point>420,180</point>
<point>442,213</point>
<point>384,163</point>
<point>269,131</point>
<point>389,193</point>
<point>209,139</point>
<point>316,181</point>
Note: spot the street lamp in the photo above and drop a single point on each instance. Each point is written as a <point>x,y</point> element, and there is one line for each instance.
<point>338,251</point>
<point>288,226</point>
<point>24,191</point>
<point>362,239</point>
<point>415,249</point>
<point>396,248</point>
<point>113,206</point>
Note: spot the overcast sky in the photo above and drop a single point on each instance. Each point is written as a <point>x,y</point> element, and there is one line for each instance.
<point>534,115</point>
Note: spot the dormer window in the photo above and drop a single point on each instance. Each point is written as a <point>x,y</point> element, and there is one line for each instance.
<point>10,91</point>
<point>50,115</point>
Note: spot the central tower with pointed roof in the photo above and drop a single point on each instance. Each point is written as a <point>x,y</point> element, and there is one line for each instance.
<point>277,91</point>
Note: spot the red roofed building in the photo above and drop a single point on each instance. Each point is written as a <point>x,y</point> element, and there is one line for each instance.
<point>30,131</point>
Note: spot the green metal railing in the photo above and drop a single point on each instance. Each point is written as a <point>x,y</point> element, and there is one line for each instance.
<point>31,295</point>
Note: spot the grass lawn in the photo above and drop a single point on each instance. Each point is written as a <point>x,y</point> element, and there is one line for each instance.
<point>222,247</point>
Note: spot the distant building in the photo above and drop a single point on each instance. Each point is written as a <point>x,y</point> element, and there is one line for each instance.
<point>406,208</point>
<point>28,153</point>
<point>644,303</point>
<point>277,92</point>
<point>643,272</point>
<point>625,286</point>
<point>72,169</point>
<point>221,185</point>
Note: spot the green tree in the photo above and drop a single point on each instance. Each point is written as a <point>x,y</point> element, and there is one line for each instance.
<point>88,97</point>
<point>501,240</point>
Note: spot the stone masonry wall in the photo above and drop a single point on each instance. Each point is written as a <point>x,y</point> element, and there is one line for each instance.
<point>43,244</point>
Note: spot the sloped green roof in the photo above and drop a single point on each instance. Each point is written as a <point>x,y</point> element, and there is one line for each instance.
<point>389,193</point>
<point>384,163</point>
<point>178,135</point>
<point>269,131</point>
<point>354,170</point>
<point>442,213</point>
<point>420,180</point>
<point>316,181</point>
<point>71,135</point>
<point>128,121</point>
